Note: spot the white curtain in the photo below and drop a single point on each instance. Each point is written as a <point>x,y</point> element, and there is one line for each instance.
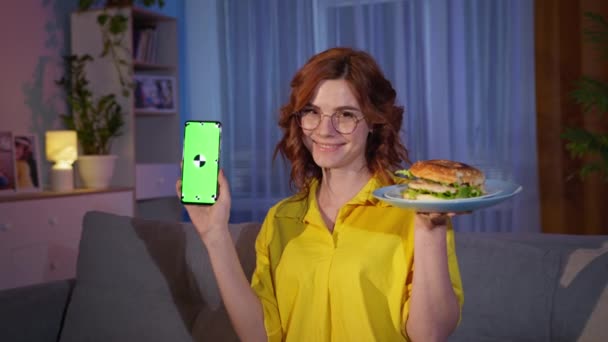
<point>262,44</point>
<point>463,70</point>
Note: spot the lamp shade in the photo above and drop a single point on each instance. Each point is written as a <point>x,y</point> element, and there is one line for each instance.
<point>61,148</point>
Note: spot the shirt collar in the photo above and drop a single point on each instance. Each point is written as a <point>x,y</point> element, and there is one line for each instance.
<point>364,197</point>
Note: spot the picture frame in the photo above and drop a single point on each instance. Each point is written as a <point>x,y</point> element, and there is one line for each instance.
<point>8,183</point>
<point>26,152</point>
<point>155,94</point>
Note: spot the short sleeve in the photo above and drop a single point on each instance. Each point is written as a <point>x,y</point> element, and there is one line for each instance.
<point>263,284</point>
<point>454,270</point>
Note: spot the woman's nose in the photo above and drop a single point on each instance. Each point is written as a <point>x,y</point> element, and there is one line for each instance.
<point>326,127</point>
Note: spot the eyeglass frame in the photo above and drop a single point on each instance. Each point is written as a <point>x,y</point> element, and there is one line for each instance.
<point>357,119</point>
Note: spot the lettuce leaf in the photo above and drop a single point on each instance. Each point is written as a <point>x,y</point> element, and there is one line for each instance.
<point>462,191</point>
<point>405,173</point>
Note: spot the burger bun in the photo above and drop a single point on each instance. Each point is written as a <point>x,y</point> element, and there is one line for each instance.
<point>447,172</point>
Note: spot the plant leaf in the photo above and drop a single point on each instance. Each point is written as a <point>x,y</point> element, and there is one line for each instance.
<point>85,4</point>
<point>118,24</point>
<point>96,122</point>
<point>102,19</point>
<point>597,33</point>
<point>590,94</point>
<point>592,146</point>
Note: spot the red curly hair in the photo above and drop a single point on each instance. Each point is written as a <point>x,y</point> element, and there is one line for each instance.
<point>384,151</point>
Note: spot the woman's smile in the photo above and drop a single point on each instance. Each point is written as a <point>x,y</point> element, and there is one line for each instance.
<point>327,147</point>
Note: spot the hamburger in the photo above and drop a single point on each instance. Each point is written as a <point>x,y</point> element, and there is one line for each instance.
<point>442,179</point>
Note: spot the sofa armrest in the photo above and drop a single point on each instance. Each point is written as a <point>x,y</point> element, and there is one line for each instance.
<point>34,313</point>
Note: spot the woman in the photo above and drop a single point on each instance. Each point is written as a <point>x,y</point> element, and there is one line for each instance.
<point>333,262</point>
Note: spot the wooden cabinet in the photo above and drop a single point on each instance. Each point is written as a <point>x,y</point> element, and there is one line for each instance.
<point>40,233</point>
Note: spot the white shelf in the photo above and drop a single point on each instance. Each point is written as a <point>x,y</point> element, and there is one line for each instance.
<point>147,66</point>
<point>54,194</point>
<point>150,146</point>
<point>143,112</point>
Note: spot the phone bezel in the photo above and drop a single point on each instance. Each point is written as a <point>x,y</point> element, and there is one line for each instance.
<point>217,189</point>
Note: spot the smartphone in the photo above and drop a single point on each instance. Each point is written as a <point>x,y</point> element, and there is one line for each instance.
<point>201,162</point>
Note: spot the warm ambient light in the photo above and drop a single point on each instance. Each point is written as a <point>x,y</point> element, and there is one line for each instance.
<point>62,149</point>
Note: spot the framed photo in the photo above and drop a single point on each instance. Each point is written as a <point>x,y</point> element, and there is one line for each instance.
<point>8,183</point>
<point>27,162</point>
<point>155,94</point>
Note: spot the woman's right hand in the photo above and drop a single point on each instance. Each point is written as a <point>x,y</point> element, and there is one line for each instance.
<point>210,218</point>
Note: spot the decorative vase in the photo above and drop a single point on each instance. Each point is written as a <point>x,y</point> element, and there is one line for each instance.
<point>96,170</point>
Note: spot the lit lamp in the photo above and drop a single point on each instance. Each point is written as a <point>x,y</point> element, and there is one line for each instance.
<point>62,149</point>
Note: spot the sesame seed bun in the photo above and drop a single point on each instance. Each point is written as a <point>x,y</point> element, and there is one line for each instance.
<point>447,172</point>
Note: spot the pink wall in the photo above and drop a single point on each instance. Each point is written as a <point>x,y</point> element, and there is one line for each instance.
<point>34,35</point>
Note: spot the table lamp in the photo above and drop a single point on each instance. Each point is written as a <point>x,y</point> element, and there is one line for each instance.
<point>62,149</point>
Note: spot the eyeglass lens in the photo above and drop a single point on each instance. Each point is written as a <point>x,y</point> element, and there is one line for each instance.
<point>343,121</point>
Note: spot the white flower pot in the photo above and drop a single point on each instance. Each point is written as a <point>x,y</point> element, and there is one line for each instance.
<point>96,170</point>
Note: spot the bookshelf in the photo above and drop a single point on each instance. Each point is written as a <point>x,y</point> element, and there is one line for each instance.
<point>147,66</point>
<point>149,150</point>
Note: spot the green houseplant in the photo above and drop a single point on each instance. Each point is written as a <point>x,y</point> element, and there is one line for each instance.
<point>97,120</point>
<point>592,95</point>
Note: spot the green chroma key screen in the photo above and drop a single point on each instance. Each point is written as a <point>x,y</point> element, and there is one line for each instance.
<point>201,162</point>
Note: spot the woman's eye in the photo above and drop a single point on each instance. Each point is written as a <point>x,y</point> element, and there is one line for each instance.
<point>308,111</point>
<point>347,114</point>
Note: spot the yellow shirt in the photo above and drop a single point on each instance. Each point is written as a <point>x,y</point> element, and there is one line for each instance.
<point>350,285</point>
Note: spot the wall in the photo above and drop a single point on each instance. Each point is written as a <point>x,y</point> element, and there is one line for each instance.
<point>568,205</point>
<point>35,35</point>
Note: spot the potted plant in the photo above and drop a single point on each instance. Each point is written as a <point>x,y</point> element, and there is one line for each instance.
<point>592,95</point>
<point>96,120</point>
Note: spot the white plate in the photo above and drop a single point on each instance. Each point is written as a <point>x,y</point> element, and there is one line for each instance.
<point>397,193</point>
<point>496,191</point>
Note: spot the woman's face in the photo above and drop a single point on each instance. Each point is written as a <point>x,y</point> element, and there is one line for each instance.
<point>329,148</point>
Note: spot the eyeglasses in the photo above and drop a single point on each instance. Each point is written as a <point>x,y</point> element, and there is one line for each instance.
<point>344,121</point>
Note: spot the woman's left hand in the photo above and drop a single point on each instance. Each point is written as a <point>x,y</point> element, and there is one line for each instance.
<point>434,220</point>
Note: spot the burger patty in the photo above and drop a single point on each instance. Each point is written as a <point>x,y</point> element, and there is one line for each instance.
<point>420,184</point>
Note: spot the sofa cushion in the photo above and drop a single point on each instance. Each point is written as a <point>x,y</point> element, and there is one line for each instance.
<point>213,323</point>
<point>133,282</point>
<point>243,234</point>
<point>143,280</point>
<point>34,312</point>
<point>508,289</point>
<point>581,299</point>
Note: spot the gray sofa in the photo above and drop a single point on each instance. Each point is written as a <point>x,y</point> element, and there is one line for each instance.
<point>141,280</point>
